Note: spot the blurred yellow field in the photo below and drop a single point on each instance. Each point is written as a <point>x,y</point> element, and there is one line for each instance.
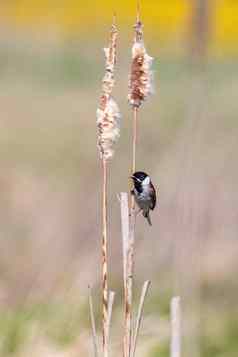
<point>167,18</point>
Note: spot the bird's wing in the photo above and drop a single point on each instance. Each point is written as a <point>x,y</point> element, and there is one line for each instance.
<point>153,198</point>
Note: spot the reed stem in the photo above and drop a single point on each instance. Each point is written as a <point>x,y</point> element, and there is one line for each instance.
<point>140,314</point>
<point>128,334</point>
<point>125,224</point>
<point>134,143</point>
<point>111,298</point>
<point>105,260</point>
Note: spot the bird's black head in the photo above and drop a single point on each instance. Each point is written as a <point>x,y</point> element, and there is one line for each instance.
<point>139,176</point>
<point>138,179</point>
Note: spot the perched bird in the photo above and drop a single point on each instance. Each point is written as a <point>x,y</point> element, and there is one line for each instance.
<point>144,192</point>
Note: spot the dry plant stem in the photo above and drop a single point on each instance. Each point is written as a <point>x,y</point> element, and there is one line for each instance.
<point>135,133</point>
<point>135,119</point>
<point>175,345</point>
<point>105,261</point>
<point>129,286</point>
<point>110,305</point>
<point>125,244</point>
<point>125,233</point>
<point>108,132</point>
<point>139,90</point>
<point>92,316</point>
<point>129,253</point>
<point>140,315</point>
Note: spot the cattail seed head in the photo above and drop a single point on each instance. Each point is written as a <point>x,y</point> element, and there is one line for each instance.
<point>108,115</point>
<point>140,80</point>
<point>108,124</point>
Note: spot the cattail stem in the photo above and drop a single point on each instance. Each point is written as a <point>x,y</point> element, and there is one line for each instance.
<point>111,298</point>
<point>104,260</point>
<point>128,335</point>
<point>140,315</point>
<point>139,89</point>
<point>135,134</point>
<point>125,233</point>
<point>125,224</point>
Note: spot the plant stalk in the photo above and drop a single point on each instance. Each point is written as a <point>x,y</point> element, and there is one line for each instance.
<point>105,336</point>
<point>128,335</point>
<point>140,315</point>
<point>135,134</point>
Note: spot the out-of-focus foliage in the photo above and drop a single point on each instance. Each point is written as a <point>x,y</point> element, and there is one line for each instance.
<point>50,182</point>
<point>166,20</point>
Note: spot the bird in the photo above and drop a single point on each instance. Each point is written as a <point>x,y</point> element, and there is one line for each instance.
<point>144,193</point>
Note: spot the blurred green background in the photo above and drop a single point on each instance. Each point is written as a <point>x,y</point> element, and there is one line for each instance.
<point>51,66</point>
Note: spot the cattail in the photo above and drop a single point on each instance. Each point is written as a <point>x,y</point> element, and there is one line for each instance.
<point>140,87</point>
<point>108,124</point>
<point>140,80</point>
<point>108,130</point>
<point>108,115</point>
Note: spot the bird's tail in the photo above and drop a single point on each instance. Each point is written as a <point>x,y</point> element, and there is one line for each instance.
<point>147,216</point>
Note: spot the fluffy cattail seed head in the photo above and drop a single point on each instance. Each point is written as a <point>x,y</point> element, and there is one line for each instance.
<point>108,115</point>
<point>108,124</point>
<point>140,80</point>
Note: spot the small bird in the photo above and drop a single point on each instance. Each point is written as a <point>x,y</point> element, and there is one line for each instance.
<point>144,192</point>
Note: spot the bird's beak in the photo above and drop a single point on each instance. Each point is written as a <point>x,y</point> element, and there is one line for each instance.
<point>135,178</point>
